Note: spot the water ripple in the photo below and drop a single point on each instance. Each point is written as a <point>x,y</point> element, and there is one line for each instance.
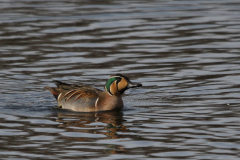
<point>185,53</point>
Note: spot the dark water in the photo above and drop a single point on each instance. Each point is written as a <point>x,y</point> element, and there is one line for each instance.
<point>185,53</point>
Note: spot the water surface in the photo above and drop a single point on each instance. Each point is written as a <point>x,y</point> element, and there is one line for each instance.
<point>185,53</point>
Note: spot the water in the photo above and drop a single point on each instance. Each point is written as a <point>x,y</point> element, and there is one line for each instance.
<point>185,53</point>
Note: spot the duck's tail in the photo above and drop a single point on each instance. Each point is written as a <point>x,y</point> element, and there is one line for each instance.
<point>55,91</point>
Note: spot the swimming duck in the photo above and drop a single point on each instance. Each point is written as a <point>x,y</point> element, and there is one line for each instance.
<point>88,99</point>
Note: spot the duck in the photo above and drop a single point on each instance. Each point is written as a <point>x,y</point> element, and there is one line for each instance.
<point>82,98</point>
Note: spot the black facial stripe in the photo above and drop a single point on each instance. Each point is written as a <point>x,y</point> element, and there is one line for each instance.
<point>118,80</point>
<point>122,91</point>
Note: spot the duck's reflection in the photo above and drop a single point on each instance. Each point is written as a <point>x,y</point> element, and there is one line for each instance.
<point>105,123</point>
<point>93,127</point>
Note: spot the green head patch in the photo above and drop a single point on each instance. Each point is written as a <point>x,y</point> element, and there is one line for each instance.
<point>109,82</point>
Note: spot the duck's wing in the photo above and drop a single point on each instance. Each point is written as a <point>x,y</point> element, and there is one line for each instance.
<point>66,91</point>
<point>78,93</point>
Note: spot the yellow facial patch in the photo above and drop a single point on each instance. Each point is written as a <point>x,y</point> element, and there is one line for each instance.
<point>113,88</point>
<point>122,84</point>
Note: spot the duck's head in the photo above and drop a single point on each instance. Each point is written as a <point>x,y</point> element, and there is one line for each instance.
<point>118,83</point>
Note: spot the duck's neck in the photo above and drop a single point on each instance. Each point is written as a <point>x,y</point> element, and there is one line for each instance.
<point>108,102</point>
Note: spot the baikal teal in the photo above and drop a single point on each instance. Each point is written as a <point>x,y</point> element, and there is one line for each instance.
<point>88,99</point>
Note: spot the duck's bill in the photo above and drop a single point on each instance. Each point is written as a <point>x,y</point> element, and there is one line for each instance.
<point>133,85</point>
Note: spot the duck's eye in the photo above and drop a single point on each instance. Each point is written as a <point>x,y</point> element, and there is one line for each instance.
<point>118,80</point>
